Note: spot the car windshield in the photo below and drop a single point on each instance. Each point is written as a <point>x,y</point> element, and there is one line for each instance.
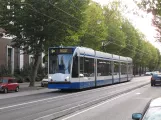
<point>153,114</point>
<point>3,81</point>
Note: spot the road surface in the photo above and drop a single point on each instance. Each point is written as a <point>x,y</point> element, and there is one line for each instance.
<point>54,104</point>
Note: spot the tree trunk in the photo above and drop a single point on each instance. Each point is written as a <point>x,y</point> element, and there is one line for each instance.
<point>35,69</point>
<point>134,70</point>
<point>140,70</point>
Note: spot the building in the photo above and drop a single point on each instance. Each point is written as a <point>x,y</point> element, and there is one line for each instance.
<point>12,57</point>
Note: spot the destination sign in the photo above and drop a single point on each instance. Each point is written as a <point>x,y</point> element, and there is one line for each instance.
<point>53,51</point>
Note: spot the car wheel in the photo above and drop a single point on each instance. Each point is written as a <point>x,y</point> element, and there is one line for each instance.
<point>17,89</point>
<point>151,84</point>
<point>5,90</point>
<point>154,84</point>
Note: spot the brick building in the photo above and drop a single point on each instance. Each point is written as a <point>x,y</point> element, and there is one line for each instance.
<point>11,57</point>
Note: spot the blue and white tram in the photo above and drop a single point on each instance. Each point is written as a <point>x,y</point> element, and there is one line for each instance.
<point>80,67</point>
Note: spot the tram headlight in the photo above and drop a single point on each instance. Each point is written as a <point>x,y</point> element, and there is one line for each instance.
<point>67,78</point>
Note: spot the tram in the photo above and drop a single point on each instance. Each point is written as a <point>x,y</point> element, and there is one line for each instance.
<point>81,67</point>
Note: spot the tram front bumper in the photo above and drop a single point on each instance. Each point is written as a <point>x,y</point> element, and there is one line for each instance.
<point>63,85</point>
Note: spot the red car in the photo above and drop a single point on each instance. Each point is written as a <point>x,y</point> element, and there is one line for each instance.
<point>8,84</point>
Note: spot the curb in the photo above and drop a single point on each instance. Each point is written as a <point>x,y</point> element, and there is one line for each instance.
<point>31,88</point>
<point>85,105</point>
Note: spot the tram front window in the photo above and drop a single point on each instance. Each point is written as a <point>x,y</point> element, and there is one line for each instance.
<point>60,63</point>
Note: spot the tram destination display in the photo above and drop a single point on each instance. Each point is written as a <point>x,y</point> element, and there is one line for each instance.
<point>53,51</point>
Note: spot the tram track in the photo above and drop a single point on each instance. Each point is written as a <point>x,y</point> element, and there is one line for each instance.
<point>62,95</point>
<point>83,105</point>
<point>59,106</point>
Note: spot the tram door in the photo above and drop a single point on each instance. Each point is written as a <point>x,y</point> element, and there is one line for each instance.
<point>87,74</point>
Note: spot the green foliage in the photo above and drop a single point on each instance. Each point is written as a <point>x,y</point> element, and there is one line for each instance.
<point>24,75</point>
<point>39,24</point>
<point>116,37</point>
<point>131,39</point>
<point>94,29</point>
<point>153,7</point>
<point>5,71</point>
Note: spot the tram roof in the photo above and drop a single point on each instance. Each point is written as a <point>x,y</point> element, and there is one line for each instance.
<point>90,52</point>
<point>84,51</point>
<point>103,55</point>
<point>129,59</point>
<point>123,58</point>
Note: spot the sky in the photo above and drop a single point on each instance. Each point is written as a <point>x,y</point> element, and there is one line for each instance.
<point>143,22</point>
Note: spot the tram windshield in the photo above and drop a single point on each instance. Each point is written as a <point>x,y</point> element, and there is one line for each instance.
<point>60,63</point>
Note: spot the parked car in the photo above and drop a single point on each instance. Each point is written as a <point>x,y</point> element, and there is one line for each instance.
<point>151,112</point>
<point>155,79</point>
<point>148,74</point>
<point>44,82</point>
<point>8,84</point>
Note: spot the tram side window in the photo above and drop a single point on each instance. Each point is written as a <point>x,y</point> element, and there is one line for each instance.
<point>123,68</point>
<point>129,71</point>
<point>88,67</point>
<point>75,67</point>
<point>81,65</point>
<point>130,68</point>
<point>116,68</point>
<point>103,68</point>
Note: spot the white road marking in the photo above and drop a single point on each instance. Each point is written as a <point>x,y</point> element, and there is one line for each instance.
<point>138,93</point>
<point>36,101</point>
<point>41,100</point>
<point>95,106</point>
<point>50,115</point>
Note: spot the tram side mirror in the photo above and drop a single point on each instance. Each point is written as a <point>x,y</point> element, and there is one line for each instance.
<point>81,75</point>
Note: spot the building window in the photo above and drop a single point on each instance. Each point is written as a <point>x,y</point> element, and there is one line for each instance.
<point>10,58</point>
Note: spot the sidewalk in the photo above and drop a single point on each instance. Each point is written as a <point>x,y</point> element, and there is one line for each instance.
<point>138,75</point>
<point>25,86</point>
<point>25,93</point>
<point>25,90</point>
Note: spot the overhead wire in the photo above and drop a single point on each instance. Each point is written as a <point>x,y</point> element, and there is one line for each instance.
<point>82,21</point>
<point>34,9</point>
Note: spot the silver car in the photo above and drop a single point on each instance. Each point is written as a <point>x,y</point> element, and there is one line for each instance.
<point>152,111</point>
<point>44,82</point>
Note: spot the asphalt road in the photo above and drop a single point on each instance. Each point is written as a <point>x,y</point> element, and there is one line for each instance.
<point>56,103</point>
<point>118,108</point>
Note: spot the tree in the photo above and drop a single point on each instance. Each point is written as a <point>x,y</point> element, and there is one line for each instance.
<point>153,7</point>
<point>38,24</point>
<point>113,20</point>
<point>131,39</point>
<point>94,27</point>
